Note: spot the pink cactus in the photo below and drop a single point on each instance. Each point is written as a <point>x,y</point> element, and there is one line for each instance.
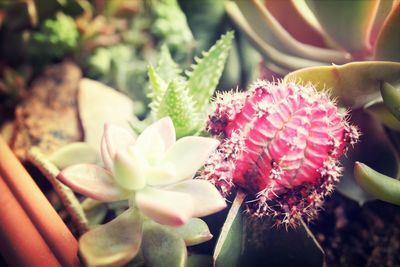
<point>281,145</point>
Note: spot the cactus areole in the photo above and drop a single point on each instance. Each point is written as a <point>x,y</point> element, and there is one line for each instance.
<point>281,145</point>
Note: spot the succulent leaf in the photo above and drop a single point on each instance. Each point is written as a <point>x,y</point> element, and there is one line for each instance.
<point>380,111</point>
<point>74,153</point>
<point>391,98</point>
<point>180,106</point>
<point>352,30</point>
<point>388,42</point>
<point>161,247</point>
<point>194,232</point>
<point>271,32</point>
<point>354,84</point>
<point>206,72</point>
<point>379,185</point>
<point>114,243</point>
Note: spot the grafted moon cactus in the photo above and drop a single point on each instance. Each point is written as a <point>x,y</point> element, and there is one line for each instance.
<point>281,145</point>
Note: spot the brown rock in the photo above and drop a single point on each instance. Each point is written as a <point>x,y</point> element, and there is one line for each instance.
<point>48,117</point>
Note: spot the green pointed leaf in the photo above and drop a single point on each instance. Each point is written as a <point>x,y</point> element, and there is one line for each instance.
<point>74,153</point>
<point>178,105</point>
<point>194,232</point>
<point>381,112</point>
<point>161,247</point>
<point>348,23</point>
<point>391,97</point>
<point>355,84</point>
<point>114,243</point>
<point>272,32</point>
<point>388,42</point>
<point>157,84</point>
<point>379,185</point>
<point>206,72</point>
<point>167,68</point>
<point>228,249</point>
<point>198,260</point>
<point>382,13</point>
<point>375,149</point>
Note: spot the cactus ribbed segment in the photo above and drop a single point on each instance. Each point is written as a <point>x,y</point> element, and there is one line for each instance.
<point>281,144</point>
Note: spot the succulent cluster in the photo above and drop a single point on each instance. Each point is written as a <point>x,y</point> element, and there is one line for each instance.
<point>281,145</point>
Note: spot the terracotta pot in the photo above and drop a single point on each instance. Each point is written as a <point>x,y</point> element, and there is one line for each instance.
<point>31,232</point>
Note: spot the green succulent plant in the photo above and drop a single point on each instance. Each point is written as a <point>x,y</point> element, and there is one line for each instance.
<point>185,98</point>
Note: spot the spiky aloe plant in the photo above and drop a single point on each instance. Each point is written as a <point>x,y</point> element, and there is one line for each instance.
<point>282,142</point>
<point>185,98</point>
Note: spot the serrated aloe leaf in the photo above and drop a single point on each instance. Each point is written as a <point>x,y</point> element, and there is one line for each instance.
<point>166,67</point>
<point>381,112</point>
<point>206,72</point>
<point>74,153</point>
<point>355,84</point>
<point>348,23</point>
<point>375,149</point>
<point>379,185</point>
<point>194,232</point>
<point>388,42</point>
<point>161,247</point>
<point>280,59</point>
<point>157,84</point>
<point>271,32</point>
<point>114,243</point>
<point>198,260</point>
<point>267,245</point>
<point>391,98</point>
<point>229,245</point>
<point>179,105</point>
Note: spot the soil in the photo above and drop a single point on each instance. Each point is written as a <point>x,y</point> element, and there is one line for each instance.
<point>359,236</point>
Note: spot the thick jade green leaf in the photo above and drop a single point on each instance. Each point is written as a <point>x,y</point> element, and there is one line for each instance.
<point>207,70</point>
<point>74,153</point>
<point>348,23</point>
<point>114,243</point>
<point>382,13</point>
<point>355,84</point>
<point>391,97</point>
<point>161,247</point>
<point>388,42</point>
<point>194,232</point>
<point>374,149</point>
<point>271,32</point>
<point>380,186</point>
<point>381,112</point>
<point>198,260</point>
<point>228,249</point>
<point>268,245</point>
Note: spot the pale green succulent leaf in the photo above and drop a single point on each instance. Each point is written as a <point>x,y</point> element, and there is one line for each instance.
<point>166,67</point>
<point>114,243</point>
<point>388,42</point>
<point>206,72</point>
<point>273,33</point>
<point>382,13</point>
<point>194,232</point>
<point>381,112</point>
<point>391,97</point>
<point>161,247</point>
<point>74,153</point>
<point>354,84</point>
<point>379,185</point>
<point>181,108</point>
<point>348,23</point>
